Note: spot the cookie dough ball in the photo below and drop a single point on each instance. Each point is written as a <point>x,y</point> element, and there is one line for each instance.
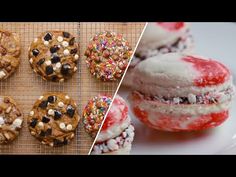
<point>11,120</point>
<point>54,55</point>
<point>9,53</point>
<point>54,119</point>
<point>108,55</point>
<point>94,113</point>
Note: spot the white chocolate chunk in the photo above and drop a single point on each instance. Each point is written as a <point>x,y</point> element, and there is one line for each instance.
<point>17,123</point>
<point>46,43</point>
<point>2,74</point>
<point>35,40</point>
<point>75,68</point>
<point>1,120</point>
<point>67,97</point>
<point>60,104</point>
<point>48,62</point>
<point>31,60</point>
<point>40,124</point>
<point>58,65</point>
<point>76,56</point>
<point>41,97</point>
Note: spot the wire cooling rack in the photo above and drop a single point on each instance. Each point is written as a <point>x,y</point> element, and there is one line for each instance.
<point>25,86</point>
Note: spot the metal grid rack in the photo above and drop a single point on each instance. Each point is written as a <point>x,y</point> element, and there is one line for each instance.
<point>25,86</point>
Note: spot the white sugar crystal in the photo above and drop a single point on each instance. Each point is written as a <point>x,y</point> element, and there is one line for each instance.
<point>112,145</point>
<point>192,98</point>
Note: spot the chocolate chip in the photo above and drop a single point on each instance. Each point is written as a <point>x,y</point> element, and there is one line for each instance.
<point>70,111</point>
<point>48,132</point>
<point>35,52</point>
<point>41,61</point>
<point>73,51</point>
<point>49,70</point>
<point>65,69</point>
<point>45,119</point>
<point>52,99</point>
<point>47,37</point>
<point>55,59</point>
<point>54,78</point>
<point>43,104</point>
<point>54,49</point>
<point>42,133</point>
<point>72,41</point>
<point>57,142</point>
<point>66,34</point>
<point>34,122</point>
<point>57,115</point>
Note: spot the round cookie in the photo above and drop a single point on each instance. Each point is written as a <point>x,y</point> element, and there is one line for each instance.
<point>54,119</point>
<point>11,120</point>
<point>9,53</point>
<point>94,113</point>
<point>54,55</point>
<point>177,92</point>
<point>108,55</point>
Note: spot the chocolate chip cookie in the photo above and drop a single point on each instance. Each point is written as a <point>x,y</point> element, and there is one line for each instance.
<point>108,55</point>
<point>94,112</point>
<point>54,55</point>
<point>11,120</point>
<point>9,53</point>
<point>54,119</point>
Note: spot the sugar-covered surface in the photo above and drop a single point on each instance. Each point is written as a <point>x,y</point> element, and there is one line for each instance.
<point>215,40</point>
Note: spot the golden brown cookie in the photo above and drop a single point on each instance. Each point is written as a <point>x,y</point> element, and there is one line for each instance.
<point>108,55</point>
<point>54,55</point>
<point>11,120</point>
<point>9,53</point>
<point>54,119</point>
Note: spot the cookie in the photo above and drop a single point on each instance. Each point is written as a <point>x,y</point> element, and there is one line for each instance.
<point>9,53</point>
<point>177,92</point>
<point>94,113</point>
<point>54,119</point>
<point>11,120</point>
<point>108,55</point>
<point>54,55</point>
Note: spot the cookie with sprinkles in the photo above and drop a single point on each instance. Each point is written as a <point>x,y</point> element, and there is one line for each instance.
<point>11,120</point>
<point>9,53</point>
<point>94,113</point>
<point>108,55</point>
<point>54,55</point>
<point>53,119</point>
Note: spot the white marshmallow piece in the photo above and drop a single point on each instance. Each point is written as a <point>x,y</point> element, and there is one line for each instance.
<point>58,65</point>
<point>62,126</point>
<point>2,74</point>
<point>46,43</point>
<point>76,56</point>
<point>51,112</point>
<point>66,52</point>
<point>69,127</point>
<point>59,38</point>
<point>40,124</point>
<point>65,44</point>
<point>60,104</point>
<point>48,62</point>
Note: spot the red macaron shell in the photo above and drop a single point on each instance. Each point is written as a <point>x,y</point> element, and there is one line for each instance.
<point>172,26</point>
<point>117,114</point>
<point>211,71</point>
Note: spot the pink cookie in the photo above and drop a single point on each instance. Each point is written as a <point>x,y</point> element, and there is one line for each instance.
<point>176,92</point>
<point>117,133</point>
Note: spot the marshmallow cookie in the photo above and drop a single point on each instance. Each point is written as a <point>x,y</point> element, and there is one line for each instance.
<point>94,113</point>
<point>53,119</point>
<point>160,38</point>
<point>9,53</point>
<point>117,133</point>
<point>11,120</point>
<point>54,55</point>
<point>176,92</point>
<point>108,55</point>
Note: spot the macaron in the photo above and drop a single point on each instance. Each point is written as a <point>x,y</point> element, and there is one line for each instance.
<point>178,92</point>
<point>117,133</point>
<point>160,38</point>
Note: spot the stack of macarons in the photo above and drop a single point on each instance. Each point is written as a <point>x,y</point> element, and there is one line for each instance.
<point>117,132</point>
